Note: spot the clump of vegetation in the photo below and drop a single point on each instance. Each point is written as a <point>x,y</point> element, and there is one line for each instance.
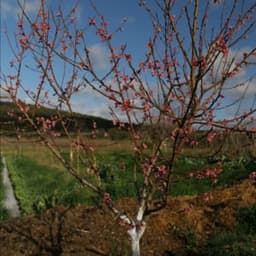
<point>230,243</point>
<point>187,235</point>
<point>39,187</point>
<point>247,219</point>
<point>238,242</point>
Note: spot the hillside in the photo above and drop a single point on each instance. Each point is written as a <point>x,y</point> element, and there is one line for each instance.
<point>9,115</point>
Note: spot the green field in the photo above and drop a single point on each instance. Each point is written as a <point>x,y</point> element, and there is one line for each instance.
<point>39,185</point>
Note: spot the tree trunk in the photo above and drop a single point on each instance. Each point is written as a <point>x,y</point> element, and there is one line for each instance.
<point>136,233</point>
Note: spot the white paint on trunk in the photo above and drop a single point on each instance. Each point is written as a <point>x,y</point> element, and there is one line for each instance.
<point>135,234</point>
<point>140,214</point>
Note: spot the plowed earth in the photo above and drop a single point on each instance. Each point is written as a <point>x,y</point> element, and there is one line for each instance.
<point>83,230</point>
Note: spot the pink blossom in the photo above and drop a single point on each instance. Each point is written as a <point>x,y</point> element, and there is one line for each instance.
<point>162,170</point>
<point>128,57</point>
<point>144,146</point>
<point>150,45</point>
<point>221,45</point>
<point>23,41</point>
<point>252,176</point>
<point>106,197</point>
<point>191,174</point>
<point>126,105</point>
<point>142,3</point>
<point>20,24</point>
<point>172,18</point>
<point>103,34</point>
<point>74,10</point>
<point>125,78</point>
<point>211,136</point>
<point>12,77</point>
<point>64,47</point>
<point>92,22</point>
<point>94,125</point>
<point>146,107</point>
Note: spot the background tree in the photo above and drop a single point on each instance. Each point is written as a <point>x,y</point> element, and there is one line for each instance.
<point>185,84</point>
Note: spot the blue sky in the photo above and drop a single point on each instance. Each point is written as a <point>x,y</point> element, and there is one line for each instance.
<point>136,33</point>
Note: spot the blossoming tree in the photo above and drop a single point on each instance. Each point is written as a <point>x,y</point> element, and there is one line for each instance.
<point>187,81</point>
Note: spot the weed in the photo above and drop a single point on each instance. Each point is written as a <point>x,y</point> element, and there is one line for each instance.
<point>187,235</point>
<point>247,219</point>
<point>230,243</point>
<point>238,242</point>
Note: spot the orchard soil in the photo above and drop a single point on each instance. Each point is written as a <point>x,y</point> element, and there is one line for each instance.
<point>82,230</point>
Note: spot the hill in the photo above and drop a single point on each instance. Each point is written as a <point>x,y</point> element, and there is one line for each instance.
<point>9,119</point>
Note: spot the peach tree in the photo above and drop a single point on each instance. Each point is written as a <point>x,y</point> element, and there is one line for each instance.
<point>196,74</point>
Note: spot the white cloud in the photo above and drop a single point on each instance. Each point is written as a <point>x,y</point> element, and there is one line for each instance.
<point>99,56</point>
<point>91,105</point>
<point>243,82</point>
<point>248,88</point>
<point>227,63</point>
<point>31,6</point>
<point>12,8</point>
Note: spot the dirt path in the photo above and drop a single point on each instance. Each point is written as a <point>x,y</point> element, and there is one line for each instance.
<point>10,202</point>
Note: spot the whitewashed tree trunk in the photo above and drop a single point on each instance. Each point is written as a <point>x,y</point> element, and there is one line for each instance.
<point>137,230</point>
<point>135,234</point>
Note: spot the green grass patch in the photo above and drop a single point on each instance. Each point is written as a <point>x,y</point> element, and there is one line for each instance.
<point>182,184</point>
<point>230,243</point>
<point>116,171</point>
<point>38,187</point>
<point>233,172</point>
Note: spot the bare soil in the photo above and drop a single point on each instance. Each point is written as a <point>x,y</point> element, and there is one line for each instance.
<point>83,230</point>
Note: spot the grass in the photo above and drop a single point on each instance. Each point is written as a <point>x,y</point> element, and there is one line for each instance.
<point>3,211</point>
<point>116,173</point>
<point>38,187</point>
<point>233,171</point>
<point>41,182</point>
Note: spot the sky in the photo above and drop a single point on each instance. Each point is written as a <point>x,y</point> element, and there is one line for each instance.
<point>136,34</point>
